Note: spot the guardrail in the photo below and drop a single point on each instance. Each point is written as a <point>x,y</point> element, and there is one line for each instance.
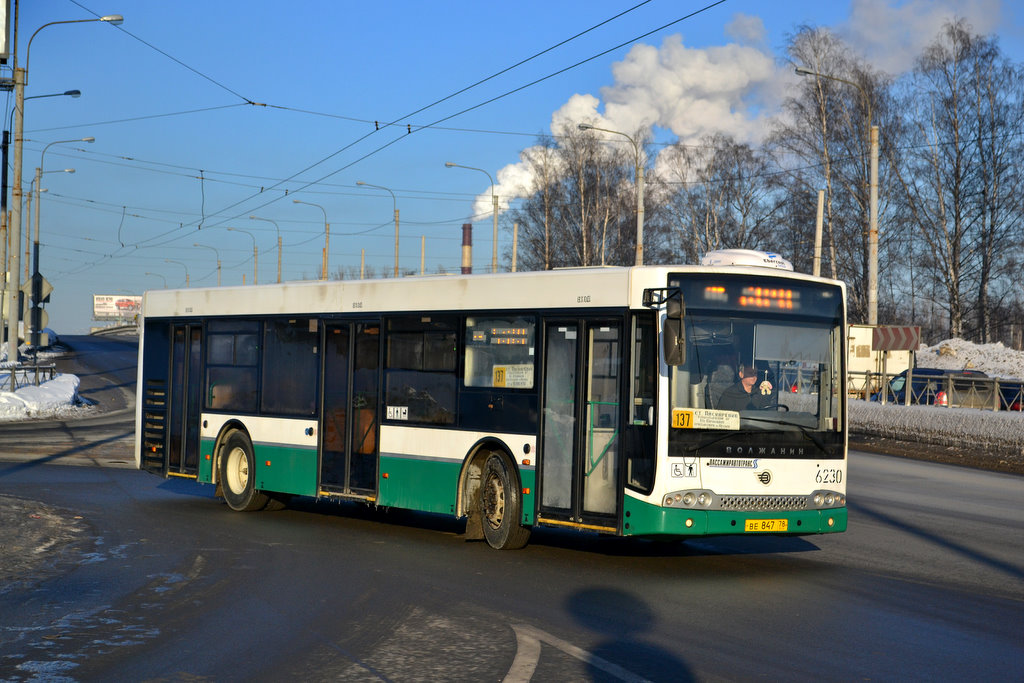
<point>12,379</point>
<point>951,391</point>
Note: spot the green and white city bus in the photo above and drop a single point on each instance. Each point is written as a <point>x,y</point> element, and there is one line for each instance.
<point>589,399</point>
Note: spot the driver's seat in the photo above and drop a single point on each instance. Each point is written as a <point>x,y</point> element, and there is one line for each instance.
<point>720,379</point>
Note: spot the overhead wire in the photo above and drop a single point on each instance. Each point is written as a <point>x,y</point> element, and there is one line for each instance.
<point>351,144</point>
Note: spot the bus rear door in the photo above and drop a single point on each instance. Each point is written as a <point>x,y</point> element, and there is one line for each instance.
<point>185,395</point>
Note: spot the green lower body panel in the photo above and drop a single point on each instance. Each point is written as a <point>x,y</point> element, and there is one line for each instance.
<point>643,519</point>
<point>286,469</point>
<point>418,484</point>
<point>279,468</point>
<point>206,460</point>
<point>529,481</point>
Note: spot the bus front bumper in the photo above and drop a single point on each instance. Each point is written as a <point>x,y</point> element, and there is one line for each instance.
<point>644,519</point>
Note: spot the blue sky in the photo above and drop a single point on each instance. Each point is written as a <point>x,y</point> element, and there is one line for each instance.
<point>182,153</point>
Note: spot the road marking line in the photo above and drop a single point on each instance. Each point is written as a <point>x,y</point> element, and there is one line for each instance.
<point>528,640</point>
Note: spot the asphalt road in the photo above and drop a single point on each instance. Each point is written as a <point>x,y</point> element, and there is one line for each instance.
<point>123,575</point>
<point>104,432</point>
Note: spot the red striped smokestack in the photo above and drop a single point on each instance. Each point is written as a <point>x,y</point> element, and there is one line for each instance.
<point>467,248</point>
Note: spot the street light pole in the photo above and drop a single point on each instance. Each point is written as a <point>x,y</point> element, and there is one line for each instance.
<point>872,193</point>
<point>255,255</point>
<point>395,201</point>
<point>37,279</point>
<point>217,253</point>
<point>494,211</point>
<point>278,228</point>
<point>159,276</point>
<point>20,78</point>
<point>167,260</point>
<point>327,237</point>
<point>639,172</point>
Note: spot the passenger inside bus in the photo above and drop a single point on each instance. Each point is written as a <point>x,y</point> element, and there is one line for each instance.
<point>748,393</point>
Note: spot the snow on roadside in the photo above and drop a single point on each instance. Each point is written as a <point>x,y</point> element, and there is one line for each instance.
<point>59,396</point>
<point>1000,431</point>
<point>940,426</point>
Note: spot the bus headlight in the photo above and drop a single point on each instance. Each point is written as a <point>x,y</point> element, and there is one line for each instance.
<point>689,499</point>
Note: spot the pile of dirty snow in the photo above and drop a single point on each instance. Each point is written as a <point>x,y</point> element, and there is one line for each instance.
<point>1001,431</point>
<point>995,360</point>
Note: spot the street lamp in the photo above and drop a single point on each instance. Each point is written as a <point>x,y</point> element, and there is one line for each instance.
<point>159,276</point>
<point>395,201</point>
<point>255,255</point>
<point>327,237</point>
<point>205,246</point>
<point>167,260</point>
<point>872,194</point>
<point>278,228</point>
<point>37,280</point>
<point>639,170</point>
<point>66,93</point>
<point>494,210</point>
<point>20,78</point>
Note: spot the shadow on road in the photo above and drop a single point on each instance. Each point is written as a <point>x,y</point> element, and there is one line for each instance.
<point>623,619</point>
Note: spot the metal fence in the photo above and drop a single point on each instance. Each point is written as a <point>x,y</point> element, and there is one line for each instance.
<point>952,391</point>
<point>12,379</point>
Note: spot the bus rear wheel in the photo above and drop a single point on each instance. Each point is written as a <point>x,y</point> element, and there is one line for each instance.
<point>238,474</point>
<point>501,506</point>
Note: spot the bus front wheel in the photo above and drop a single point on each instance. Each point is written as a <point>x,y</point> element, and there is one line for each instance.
<point>501,506</point>
<point>238,474</point>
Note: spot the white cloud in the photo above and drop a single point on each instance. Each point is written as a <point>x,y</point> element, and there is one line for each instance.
<point>690,91</point>
<point>746,29</point>
<point>890,36</point>
<point>737,88</point>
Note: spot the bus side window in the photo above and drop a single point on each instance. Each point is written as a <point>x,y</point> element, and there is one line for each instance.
<point>641,451</point>
<point>500,352</point>
<point>232,358</point>
<point>421,368</point>
<point>290,367</point>
<point>645,370</point>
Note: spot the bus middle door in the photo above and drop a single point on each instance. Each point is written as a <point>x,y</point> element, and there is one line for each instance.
<point>581,418</point>
<point>350,421</point>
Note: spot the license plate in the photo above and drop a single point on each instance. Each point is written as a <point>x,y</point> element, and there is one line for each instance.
<point>766,525</point>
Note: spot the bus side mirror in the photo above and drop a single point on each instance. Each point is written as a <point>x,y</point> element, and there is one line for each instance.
<point>674,336</point>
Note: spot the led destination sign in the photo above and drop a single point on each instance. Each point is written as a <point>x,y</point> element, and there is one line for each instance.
<point>738,293</point>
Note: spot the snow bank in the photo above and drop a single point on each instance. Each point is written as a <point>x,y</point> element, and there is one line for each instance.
<point>995,360</point>
<point>941,426</point>
<point>56,397</point>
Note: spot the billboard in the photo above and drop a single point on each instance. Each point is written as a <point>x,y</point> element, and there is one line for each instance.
<point>115,306</point>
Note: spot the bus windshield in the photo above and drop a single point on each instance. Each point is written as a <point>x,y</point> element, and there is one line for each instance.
<point>749,373</point>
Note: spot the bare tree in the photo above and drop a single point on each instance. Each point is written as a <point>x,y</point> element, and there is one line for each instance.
<point>960,182</point>
<point>721,196</point>
<point>582,210</point>
<point>825,141</point>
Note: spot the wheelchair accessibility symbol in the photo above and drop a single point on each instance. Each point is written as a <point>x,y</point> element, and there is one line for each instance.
<point>687,468</point>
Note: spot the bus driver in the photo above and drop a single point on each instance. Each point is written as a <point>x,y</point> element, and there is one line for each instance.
<point>743,396</point>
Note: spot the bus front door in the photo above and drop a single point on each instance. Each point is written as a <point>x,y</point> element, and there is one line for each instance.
<point>186,391</point>
<point>349,416</point>
<point>580,444</point>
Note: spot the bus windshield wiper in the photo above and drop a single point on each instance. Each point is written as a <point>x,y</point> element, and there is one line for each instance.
<point>708,442</point>
<point>804,429</point>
